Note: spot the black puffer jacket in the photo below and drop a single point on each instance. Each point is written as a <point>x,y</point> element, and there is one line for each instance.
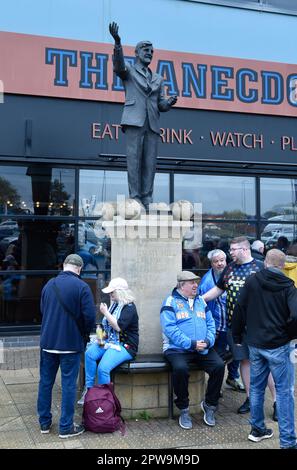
<point>267,308</point>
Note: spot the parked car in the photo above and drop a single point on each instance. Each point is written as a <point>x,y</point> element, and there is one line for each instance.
<point>272,232</point>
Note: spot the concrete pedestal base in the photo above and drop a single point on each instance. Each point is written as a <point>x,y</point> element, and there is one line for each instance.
<point>148,254</point>
<point>146,395</point>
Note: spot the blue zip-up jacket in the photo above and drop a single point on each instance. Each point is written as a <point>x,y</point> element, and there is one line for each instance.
<point>183,326</point>
<point>217,306</point>
<point>59,330</point>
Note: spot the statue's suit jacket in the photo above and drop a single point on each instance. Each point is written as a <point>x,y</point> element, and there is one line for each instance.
<point>144,97</point>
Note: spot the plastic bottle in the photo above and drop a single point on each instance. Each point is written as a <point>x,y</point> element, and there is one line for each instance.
<point>100,335</point>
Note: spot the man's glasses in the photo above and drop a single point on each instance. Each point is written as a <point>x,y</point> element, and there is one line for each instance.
<point>235,249</point>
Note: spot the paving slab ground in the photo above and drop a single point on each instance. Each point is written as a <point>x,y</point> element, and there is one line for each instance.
<point>19,427</point>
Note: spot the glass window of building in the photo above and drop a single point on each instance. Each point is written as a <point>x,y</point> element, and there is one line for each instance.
<point>99,186</point>
<point>289,5</point>
<point>278,198</point>
<point>161,188</point>
<point>277,234</point>
<point>37,190</point>
<point>93,245</point>
<point>35,244</point>
<point>279,208</point>
<point>281,6</point>
<point>214,235</point>
<point>227,197</point>
<point>20,298</point>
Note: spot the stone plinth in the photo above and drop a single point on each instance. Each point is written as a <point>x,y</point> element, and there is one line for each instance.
<point>148,254</point>
<point>147,394</point>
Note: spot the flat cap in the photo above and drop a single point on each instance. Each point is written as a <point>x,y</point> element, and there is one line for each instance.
<point>187,276</point>
<point>74,259</point>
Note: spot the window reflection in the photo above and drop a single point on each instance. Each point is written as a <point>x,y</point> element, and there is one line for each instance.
<point>278,199</point>
<point>276,234</point>
<point>99,186</point>
<point>215,236</point>
<point>161,188</point>
<point>94,246</point>
<point>228,197</point>
<point>35,244</point>
<point>37,190</point>
<point>279,5</point>
<point>283,4</point>
<point>20,298</point>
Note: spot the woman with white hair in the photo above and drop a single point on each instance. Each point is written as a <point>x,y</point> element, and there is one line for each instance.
<point>120,324</point>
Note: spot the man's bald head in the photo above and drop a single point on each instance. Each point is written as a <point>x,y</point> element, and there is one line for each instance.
<point>275,259</point>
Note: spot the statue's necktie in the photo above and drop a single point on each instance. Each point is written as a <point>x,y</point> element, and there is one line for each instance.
<point>147,74</point>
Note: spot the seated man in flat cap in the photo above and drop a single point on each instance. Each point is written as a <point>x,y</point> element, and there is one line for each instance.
<point>188,336</point>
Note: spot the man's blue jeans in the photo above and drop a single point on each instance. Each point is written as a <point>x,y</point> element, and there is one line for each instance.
<point>49,365</point>
<point>278,362</point>
<point>109,359</point>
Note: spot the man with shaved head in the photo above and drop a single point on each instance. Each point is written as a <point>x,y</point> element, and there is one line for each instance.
<point>267,311</point>
<point>232,281</point>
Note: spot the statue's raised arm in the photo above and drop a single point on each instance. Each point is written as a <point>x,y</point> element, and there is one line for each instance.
<point>114,31</point>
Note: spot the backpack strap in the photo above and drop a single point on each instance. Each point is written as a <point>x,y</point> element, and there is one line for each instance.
<point>67,310</point>
<point>122,427</point>
<point>122,424</point>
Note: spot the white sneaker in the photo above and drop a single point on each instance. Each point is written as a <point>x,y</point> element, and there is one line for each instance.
<point>81,401</point>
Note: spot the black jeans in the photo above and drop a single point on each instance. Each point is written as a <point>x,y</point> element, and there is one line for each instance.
<point>221,346</point>
<point>211,363</point>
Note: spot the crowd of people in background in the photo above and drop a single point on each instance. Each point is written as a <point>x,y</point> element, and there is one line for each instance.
<point>253,306</point>
<point>242,314</point>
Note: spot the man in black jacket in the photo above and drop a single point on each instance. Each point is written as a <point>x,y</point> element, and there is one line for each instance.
<point>267,309</point>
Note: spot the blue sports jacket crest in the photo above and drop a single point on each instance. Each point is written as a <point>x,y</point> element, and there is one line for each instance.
<point>183,326</point>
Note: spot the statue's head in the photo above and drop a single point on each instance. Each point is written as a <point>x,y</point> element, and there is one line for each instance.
<point>144,52</point>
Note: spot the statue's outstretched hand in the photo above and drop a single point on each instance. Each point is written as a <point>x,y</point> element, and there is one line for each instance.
<point>172,100</point>
<point>114,31</point>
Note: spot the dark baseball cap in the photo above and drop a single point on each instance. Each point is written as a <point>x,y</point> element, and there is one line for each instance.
<point>74,259</point>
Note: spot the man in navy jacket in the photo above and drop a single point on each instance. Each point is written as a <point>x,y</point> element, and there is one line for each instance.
<point>68,314</point>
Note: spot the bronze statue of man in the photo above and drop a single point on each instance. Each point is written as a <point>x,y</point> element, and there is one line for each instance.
<point>144,100</point>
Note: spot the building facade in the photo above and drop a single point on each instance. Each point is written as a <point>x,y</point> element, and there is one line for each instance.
<point>230,143</point>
